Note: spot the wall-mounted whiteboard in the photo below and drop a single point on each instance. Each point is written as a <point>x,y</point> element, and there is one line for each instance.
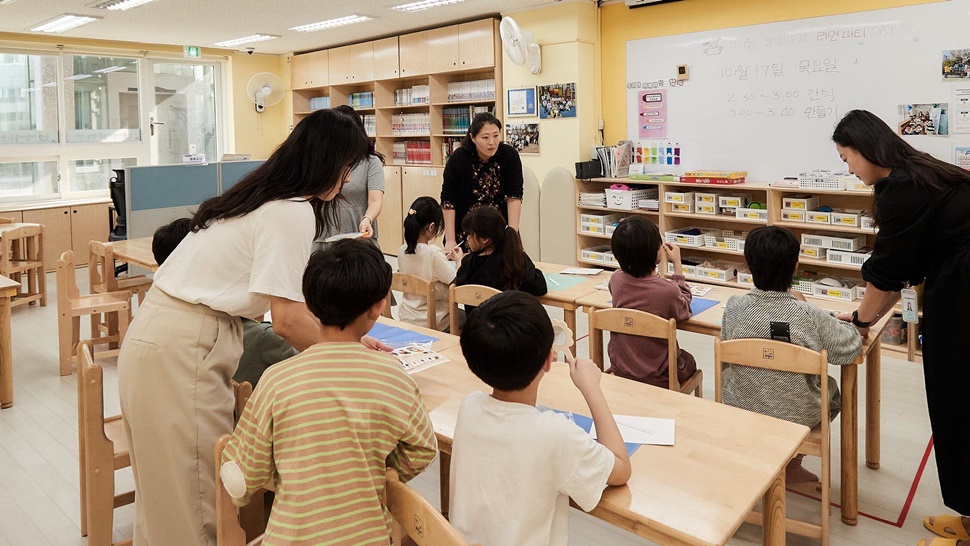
<point>765,98</point>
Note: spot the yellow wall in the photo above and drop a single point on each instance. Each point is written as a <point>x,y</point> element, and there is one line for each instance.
<point>620,24</point>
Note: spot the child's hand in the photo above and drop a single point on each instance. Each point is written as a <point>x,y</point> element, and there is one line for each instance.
<point>799,296</point>
<point>455,254</point>
<point>373,343</point>
<point>366,227</point>
<point>584,373</point>
<point>672,251</point>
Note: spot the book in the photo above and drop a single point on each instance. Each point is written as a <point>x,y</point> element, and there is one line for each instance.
<point>717,174</point>
<point>661,177</point>
<point>710,180</point>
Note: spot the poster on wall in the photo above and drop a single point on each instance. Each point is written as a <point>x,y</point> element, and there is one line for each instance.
<point>960,123</point>
<point>522,102</point>
<point>524,137</point>
<point>961,157</point>
<point>924,119</point>
<point>956,64</point>
<point>652,113</point>
<point>557,101</point>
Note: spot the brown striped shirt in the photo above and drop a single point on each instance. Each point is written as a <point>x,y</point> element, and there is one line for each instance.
<point>328,422</point>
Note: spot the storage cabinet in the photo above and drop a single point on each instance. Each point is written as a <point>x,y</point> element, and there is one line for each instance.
<point>14,216</point>
<point>391,221</point>
<point>69,228</point>
<point>386,61</point>
<point>300,71</point>
<point>443,49</point>
<point>319,69</point>
<point>413,53</point>
<point>339,69</point>
<point>362,62</point>
<point>476,44</point>
<point>88,223</point>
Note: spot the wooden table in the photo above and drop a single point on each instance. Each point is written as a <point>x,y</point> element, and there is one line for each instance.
<point>8,289</point>
<point>709,322</point>
<point>565,298</point>
<point>443,343</point>
<point>135,251</point>
<point>698,491</point>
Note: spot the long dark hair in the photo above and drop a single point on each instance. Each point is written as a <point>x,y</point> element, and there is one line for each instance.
<point>878,144</point>
<point>478,123</point>
<point>371,150</point>
<point>423,212</point>
<point>488,223</point>
<point>309,163</point>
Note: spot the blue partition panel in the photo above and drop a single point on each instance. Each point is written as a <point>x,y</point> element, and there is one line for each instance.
<point>233,171</point>
<point>170,186</point>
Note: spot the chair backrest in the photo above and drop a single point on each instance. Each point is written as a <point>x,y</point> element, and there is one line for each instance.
<point>228,530</point>
<point>643,324</point>
<point>468,294</point>
<point>243,392</point>
<point>417,517</point>
<point>101,269</point>
<point>66,281</point>
<point>414,285</point>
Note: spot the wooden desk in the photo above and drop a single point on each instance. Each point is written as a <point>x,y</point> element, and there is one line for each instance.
<point>135,251</point>
<point>565,299</point>
<point>696,492</point>
<point>443,343</point>
<point>8,289</point>
<point>709,322</point>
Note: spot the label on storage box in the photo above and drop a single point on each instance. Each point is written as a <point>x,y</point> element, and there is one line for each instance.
<point>754,215</point>
<point>706,209</point>
<point>683,240</point>
<point>706,197</point>
<point>714,274</point>
<point>822,218</point>
<point>834,293</point>
<point>675,198</point>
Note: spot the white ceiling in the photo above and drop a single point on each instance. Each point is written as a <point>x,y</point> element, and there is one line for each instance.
<point>204,22</point>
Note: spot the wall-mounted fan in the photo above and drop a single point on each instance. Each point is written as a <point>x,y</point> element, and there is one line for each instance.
<point>264,89</point>
<point>519,46</point>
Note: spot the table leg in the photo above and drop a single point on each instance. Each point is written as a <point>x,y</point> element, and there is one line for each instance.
<point>774,511</point>
<point>850,447</point>
<point>873,404</point>
<point>569,317</point>
<point>444,471</point>
<point>6,355</point>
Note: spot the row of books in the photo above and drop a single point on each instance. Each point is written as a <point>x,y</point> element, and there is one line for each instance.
<point>448,147</point>
<point>411,152</point>
<point>615,160</point>
<point>456,120</point>
<point>473,90</point>
<point>417,124</point>
<point>364,99</point>
<point>370,124</point>
<point>695,177</point>
<point>418,94</point>
<point>319,103</point>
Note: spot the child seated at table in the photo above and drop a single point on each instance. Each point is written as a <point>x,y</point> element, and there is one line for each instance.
<point>418,257</point>
<point>770,311</point>
<point>262,347</point>
<point>514,467</point>
<point>638,246</point>
<point>497,258</point>
<point>329,421</point>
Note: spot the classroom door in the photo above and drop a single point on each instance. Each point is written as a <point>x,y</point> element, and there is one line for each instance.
<point>185,116</point>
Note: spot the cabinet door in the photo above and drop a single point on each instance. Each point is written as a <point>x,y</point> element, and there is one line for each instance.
<point>414,54</point>
<point>300,71</point>
<point>319,68</point>
<point>386,59</point>
<point>88,223</point>
<point>14,216</point>
<point>391,222</point>
<point>443,49</point>
<point>476,44</point>
<point>339,66</point>
<point>57,234</point>
<point>362,62</point>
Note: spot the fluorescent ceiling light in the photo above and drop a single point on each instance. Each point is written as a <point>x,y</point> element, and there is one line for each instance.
<point>425,4</point>
<point>64,22</point>
<point>330,23</point>
<point>122,5</point>
<point>246,40</point>
<point>109,70</point>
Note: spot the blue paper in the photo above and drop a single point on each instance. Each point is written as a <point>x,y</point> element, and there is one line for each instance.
<point>586,423</point>
<point>699,305</point>
<point>562,282</point>
<point>398,337</point>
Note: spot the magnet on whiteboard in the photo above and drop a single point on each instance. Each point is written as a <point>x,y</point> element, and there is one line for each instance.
<point>682,73</point>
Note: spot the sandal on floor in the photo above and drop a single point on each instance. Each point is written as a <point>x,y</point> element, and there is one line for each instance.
<point>939,542</point>
<point>942,523</point>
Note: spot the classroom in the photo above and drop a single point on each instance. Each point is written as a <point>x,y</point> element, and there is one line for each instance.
<point>447,272</point>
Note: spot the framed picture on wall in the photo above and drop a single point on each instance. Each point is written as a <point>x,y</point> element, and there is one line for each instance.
<point>524,137</point>
<point>557,101</point>
<point>522,101</point>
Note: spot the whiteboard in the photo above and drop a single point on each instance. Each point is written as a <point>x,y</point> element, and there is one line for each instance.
<point>765,98</point>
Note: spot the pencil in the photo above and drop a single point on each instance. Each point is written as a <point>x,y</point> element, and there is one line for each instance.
<point>553,281</point>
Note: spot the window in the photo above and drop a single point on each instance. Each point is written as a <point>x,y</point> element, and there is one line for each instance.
<point>101,95</point>
<point>94,174</point>
<point>28,179</point>
<point>28,99</point>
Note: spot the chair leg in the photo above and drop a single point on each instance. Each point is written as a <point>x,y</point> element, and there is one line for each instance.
<point>100,502</point>
<point>444,471</point>
<point>64,342</point>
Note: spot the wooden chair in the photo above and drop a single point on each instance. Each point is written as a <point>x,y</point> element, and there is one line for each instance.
<point>230,520</point>
<point>469,294</point>
<point>102,449</point>
<point>71,306</point>
<point>780,356</point>
<point>415,518</point>
<point>411,284</point>
<point>640,323</point>
<point>22,260</point>
<point>102,280</point>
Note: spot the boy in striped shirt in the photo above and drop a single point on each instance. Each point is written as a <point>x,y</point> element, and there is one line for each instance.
<point>330,420</point>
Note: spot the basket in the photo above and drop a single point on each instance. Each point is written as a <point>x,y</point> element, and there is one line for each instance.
<point>825,180</point>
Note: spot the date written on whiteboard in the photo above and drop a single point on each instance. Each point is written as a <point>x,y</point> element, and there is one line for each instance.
<point>777,70</point>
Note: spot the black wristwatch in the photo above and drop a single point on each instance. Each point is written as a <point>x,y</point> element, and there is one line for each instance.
<point>857,322</point>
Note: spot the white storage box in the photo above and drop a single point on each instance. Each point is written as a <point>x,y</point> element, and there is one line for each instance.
<point>847,217</point>
<point>679,197</point>
<point>857,185</point>
<point>844,242</point>
<point>857,257</point>
<point>799,202</point>
<point>751,214</point>
<point>733,201</point>
<point>609,258</point>
<point>720,271</point>
<point>683,239</point>
<point>843,293</point>
<point>682,207</point>
<point>707,208</point>
<point>705,197</point>
<point>867,222</point>
<point>737,241</point>
<point>814,239</point>
<point>793,215</point>
<point>626,199</point>
<point>600,218</point>
<point>804,282</point>
<point>825,180</point>
<point>818,217</point>
<point>595,254</point>
<point>723,239</point>
<point>745,278</point>
<point>610,228</point>
<point>689,270</point>
<point>812,251</point>
<point>594,229</point>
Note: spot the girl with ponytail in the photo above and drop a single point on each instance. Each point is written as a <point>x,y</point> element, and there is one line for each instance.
<point>423,223</point>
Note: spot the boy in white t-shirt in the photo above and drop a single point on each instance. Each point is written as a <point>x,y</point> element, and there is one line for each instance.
<point>514,468</point>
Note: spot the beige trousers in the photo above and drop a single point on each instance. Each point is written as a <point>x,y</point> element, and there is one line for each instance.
<point>174,374</point>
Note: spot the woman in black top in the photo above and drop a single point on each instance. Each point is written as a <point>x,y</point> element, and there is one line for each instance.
<point>483,172</point>
<point>922,207</point>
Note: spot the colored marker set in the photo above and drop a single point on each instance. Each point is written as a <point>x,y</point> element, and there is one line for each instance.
<point>657,153</point>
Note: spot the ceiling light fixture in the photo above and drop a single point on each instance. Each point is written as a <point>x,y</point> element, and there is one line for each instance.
<point>122,5</point>
<point>425,4</point>
<point>109,70</point>
<point>330,23</point>
<point>245,40</point>
<point>64,22</point>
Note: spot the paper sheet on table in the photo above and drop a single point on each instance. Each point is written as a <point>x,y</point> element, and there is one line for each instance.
<point>581,271</point>
<point>644,430</point>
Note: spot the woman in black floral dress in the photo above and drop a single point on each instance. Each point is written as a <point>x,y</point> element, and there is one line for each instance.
<point>483,172</point>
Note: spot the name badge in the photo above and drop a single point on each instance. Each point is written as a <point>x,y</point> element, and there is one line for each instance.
<point>910,305</point>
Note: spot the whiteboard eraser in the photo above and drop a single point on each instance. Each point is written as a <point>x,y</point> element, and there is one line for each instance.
<point>682,72</point>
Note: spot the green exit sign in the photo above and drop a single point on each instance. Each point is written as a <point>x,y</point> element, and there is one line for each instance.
<point>192,52</point>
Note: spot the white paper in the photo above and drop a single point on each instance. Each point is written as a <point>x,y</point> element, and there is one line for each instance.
<point>700,291</point>
<point>960,114</point>
<point>644,430</point>
<point>351,235</point>
<point>581,271</point>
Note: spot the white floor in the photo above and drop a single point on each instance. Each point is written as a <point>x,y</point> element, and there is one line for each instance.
<point>39,465</point>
